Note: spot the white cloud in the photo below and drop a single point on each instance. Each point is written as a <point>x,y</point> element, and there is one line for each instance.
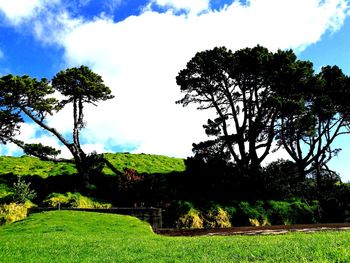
<point>16,11</point>
<point>193,6</point>
<point>55,26</point>
<point>140,57</point>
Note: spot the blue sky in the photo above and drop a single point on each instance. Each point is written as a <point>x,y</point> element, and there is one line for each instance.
<point>139,46</point>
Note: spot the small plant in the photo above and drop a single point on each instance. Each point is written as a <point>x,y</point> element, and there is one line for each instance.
<point>22,191</point>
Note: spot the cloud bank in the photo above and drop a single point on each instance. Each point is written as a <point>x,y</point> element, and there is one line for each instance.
<point>140,57</point>
<point>19,11</point>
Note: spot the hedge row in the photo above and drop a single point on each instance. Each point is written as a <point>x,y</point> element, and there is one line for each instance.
<point>244,213</point>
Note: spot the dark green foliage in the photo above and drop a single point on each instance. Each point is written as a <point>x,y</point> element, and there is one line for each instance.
<point>210,178</point>
<point>280,212</point>
<point>292,212</point>
<point>311,118</point>
<point>260,97</point>
<point>276,213</point>
<point>248,214</point>
<point>40,150</point>
<point>245,88</point>
<point>281,180</point>
<point>82,85</point>
<point>335,204</point>
<point>305,212</point>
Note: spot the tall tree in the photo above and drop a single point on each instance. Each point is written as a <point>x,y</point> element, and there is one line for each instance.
<point>312,117</point>
<point>241,87</point>
<point>22,96</point>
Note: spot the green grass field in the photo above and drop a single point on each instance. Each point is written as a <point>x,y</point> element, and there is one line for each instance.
<point>67,236</point>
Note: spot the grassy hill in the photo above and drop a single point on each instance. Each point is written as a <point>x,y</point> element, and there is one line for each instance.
<point>30,166</point>
<point>145,163</point>
<point>26,165</point>
<point>142,163</point>
<point>67,236</point>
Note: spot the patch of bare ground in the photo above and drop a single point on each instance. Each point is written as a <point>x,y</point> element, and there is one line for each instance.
<point>258,230</point>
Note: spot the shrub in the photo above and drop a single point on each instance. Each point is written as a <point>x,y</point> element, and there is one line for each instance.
<point>22,191</point>
<point>303,212</point>
<point>75,200</point>
<point>217,217</point>
<point>280,213</point>
<point>12,212</point>
<point>56,198</point>
<point>192,219</point>
<point>231,212</point>
<point>292,212</point>
<point>254,215</point>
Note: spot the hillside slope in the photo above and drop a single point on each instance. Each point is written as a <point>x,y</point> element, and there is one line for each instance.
<point>142,163</point>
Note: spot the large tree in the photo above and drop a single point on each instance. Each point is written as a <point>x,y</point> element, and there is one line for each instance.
<point>312,116</point>
<point>241,88</point>
<point>23,98</point>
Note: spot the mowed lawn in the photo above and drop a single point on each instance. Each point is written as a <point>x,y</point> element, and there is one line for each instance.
<point>69,236</point>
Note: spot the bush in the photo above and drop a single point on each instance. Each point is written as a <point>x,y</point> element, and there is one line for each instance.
<point>75,200</point>
<point>254,215</point>
<point>292,212</point>
<point>12,212</point>
<point>280,213</point>
<point>304,213</point>
<point>192,219</point>
<point>22,191</point>
<point>217,217</point>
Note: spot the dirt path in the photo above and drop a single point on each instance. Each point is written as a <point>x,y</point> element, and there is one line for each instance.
<point>262,230</point>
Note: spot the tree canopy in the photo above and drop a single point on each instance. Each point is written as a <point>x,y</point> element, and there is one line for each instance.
<point>23,96</point>
<point>262,97</point>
